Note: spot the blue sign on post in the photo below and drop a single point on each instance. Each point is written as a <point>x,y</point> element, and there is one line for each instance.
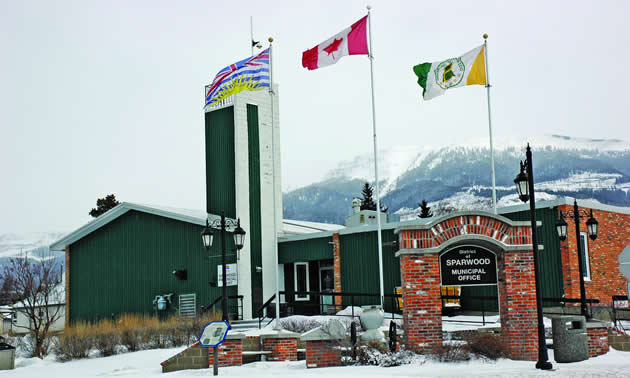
<point>214,333</point>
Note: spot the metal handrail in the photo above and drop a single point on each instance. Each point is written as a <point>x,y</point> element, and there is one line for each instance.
<point>260,311</point>
<point>211,305</point>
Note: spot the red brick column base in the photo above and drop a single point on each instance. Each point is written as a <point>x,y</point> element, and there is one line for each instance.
<point>597,340</point>
<point>322,353</point>
<point>420,275</point>
<point>282,348</point>
<point>517,301</point>
<point>230,353</point>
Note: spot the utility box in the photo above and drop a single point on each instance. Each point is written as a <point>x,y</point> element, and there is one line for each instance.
<point>570,341</point>
<point>7,356</point>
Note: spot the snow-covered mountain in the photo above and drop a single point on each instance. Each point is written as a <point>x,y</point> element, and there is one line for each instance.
<point>459,176</point>
<point>34,245</point>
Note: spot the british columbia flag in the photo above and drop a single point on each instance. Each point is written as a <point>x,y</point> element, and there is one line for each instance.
<point>250,74</point>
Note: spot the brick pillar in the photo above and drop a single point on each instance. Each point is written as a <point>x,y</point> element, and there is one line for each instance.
<point>323,353</point>
<point>420,274</point>
<point>517,301</point>
<point>283,348</point>
<point>230,353</point>
<point>597,338</point>
<point>337,267</point>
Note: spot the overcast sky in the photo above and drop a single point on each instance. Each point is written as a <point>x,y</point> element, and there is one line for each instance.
<point>106,97</point>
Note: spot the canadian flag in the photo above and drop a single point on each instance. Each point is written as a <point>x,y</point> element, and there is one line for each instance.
<point>350,41</point>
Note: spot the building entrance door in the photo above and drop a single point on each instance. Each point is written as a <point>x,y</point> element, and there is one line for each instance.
<point>326,285</point>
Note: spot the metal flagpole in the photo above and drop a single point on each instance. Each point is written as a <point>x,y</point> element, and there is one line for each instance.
<point>494,185</point>
<point>251,33</point>
<point>378,196</point>
<point>277,325</point>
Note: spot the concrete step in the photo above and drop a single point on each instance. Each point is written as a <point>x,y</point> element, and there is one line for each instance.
<point>244,325</point>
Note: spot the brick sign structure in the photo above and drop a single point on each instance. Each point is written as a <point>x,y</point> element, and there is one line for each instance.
<point>511,243</point>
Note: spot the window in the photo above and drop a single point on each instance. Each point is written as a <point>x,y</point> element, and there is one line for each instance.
<point>300,276</point>
<point>584,256</point>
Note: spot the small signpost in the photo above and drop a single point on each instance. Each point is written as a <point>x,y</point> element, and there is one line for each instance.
<point>213,335</point>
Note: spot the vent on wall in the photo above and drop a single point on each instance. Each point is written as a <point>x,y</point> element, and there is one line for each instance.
<point>188,305</point>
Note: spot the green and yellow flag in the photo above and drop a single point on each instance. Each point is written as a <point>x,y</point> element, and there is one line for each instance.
<point>435,78</point>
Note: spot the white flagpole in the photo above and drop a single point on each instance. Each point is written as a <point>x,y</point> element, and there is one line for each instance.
<point>378,196</point>
<point>494,185</point>
<point>251,35</point>
<point>277,325</point>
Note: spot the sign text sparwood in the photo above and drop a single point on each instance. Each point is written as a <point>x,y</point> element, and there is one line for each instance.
<point>467,266</point>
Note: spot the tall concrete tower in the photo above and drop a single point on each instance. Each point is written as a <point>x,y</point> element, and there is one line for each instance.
<point>240,182</point>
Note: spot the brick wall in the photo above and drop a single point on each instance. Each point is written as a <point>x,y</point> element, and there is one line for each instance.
<point>421,280</point>
<point>420,275</point>
<point>517,303</point>
<point>282,349</point>
<point>322,353</point>
<point>597,341</point>
<point>337,267</point>
<point>606,279</point>
<point>230,353</point>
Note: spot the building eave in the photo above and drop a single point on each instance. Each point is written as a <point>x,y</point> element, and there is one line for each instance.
<point>118,211</point>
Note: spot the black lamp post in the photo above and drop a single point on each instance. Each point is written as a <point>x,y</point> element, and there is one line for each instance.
<point>525,186</point>
<point>207,237</point>
<point>591,227</point>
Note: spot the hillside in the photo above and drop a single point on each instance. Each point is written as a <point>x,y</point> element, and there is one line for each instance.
<point>459,176</point>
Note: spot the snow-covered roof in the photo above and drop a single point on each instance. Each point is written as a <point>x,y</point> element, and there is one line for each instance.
<point>290,226</point>
<point>57,297</point>
<point>587,203</point>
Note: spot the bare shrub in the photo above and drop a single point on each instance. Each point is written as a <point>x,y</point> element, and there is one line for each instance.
<point>299,324</point>
<point>450,352</point>
<point>486,344</point>
<point>106,337</point>
<point>76,342</point>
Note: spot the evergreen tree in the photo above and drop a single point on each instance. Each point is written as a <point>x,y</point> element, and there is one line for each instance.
<point>425,211</point>
<point>367,202</point>
<point>104,204</point>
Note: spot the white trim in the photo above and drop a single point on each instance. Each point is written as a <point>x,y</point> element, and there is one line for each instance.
<point>587,267</point>
<point>295,282</point>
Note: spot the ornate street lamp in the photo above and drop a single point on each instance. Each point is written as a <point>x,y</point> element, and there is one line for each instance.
<point>207,236</point>
<point>525,186</point>
<point>591,228</point>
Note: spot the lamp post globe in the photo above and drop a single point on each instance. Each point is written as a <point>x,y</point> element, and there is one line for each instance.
<point>239,236</point>
<point>522,184</point>
<point>591,226</point>
<point>562,227</point>
<point>207,236</point>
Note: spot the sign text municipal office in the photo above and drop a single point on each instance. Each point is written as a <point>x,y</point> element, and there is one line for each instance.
<point>468,265</point>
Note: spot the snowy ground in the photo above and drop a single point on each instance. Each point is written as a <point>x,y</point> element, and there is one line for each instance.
<point>147,364</point>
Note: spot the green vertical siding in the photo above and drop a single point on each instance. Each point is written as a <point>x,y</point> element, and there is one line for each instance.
<point>253,142</point>
<point>549,260</point>
<point>305,250</point>
<point>220,169</point>
<point>122,266</point>
<point>359,266</point>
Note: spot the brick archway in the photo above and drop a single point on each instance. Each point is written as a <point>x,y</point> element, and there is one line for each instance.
<point>420,247</point>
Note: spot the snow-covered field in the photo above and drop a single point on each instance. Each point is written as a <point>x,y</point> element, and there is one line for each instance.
<point>147,364</point>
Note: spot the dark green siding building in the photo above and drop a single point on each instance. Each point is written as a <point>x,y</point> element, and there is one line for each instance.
<point>121,261</point>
